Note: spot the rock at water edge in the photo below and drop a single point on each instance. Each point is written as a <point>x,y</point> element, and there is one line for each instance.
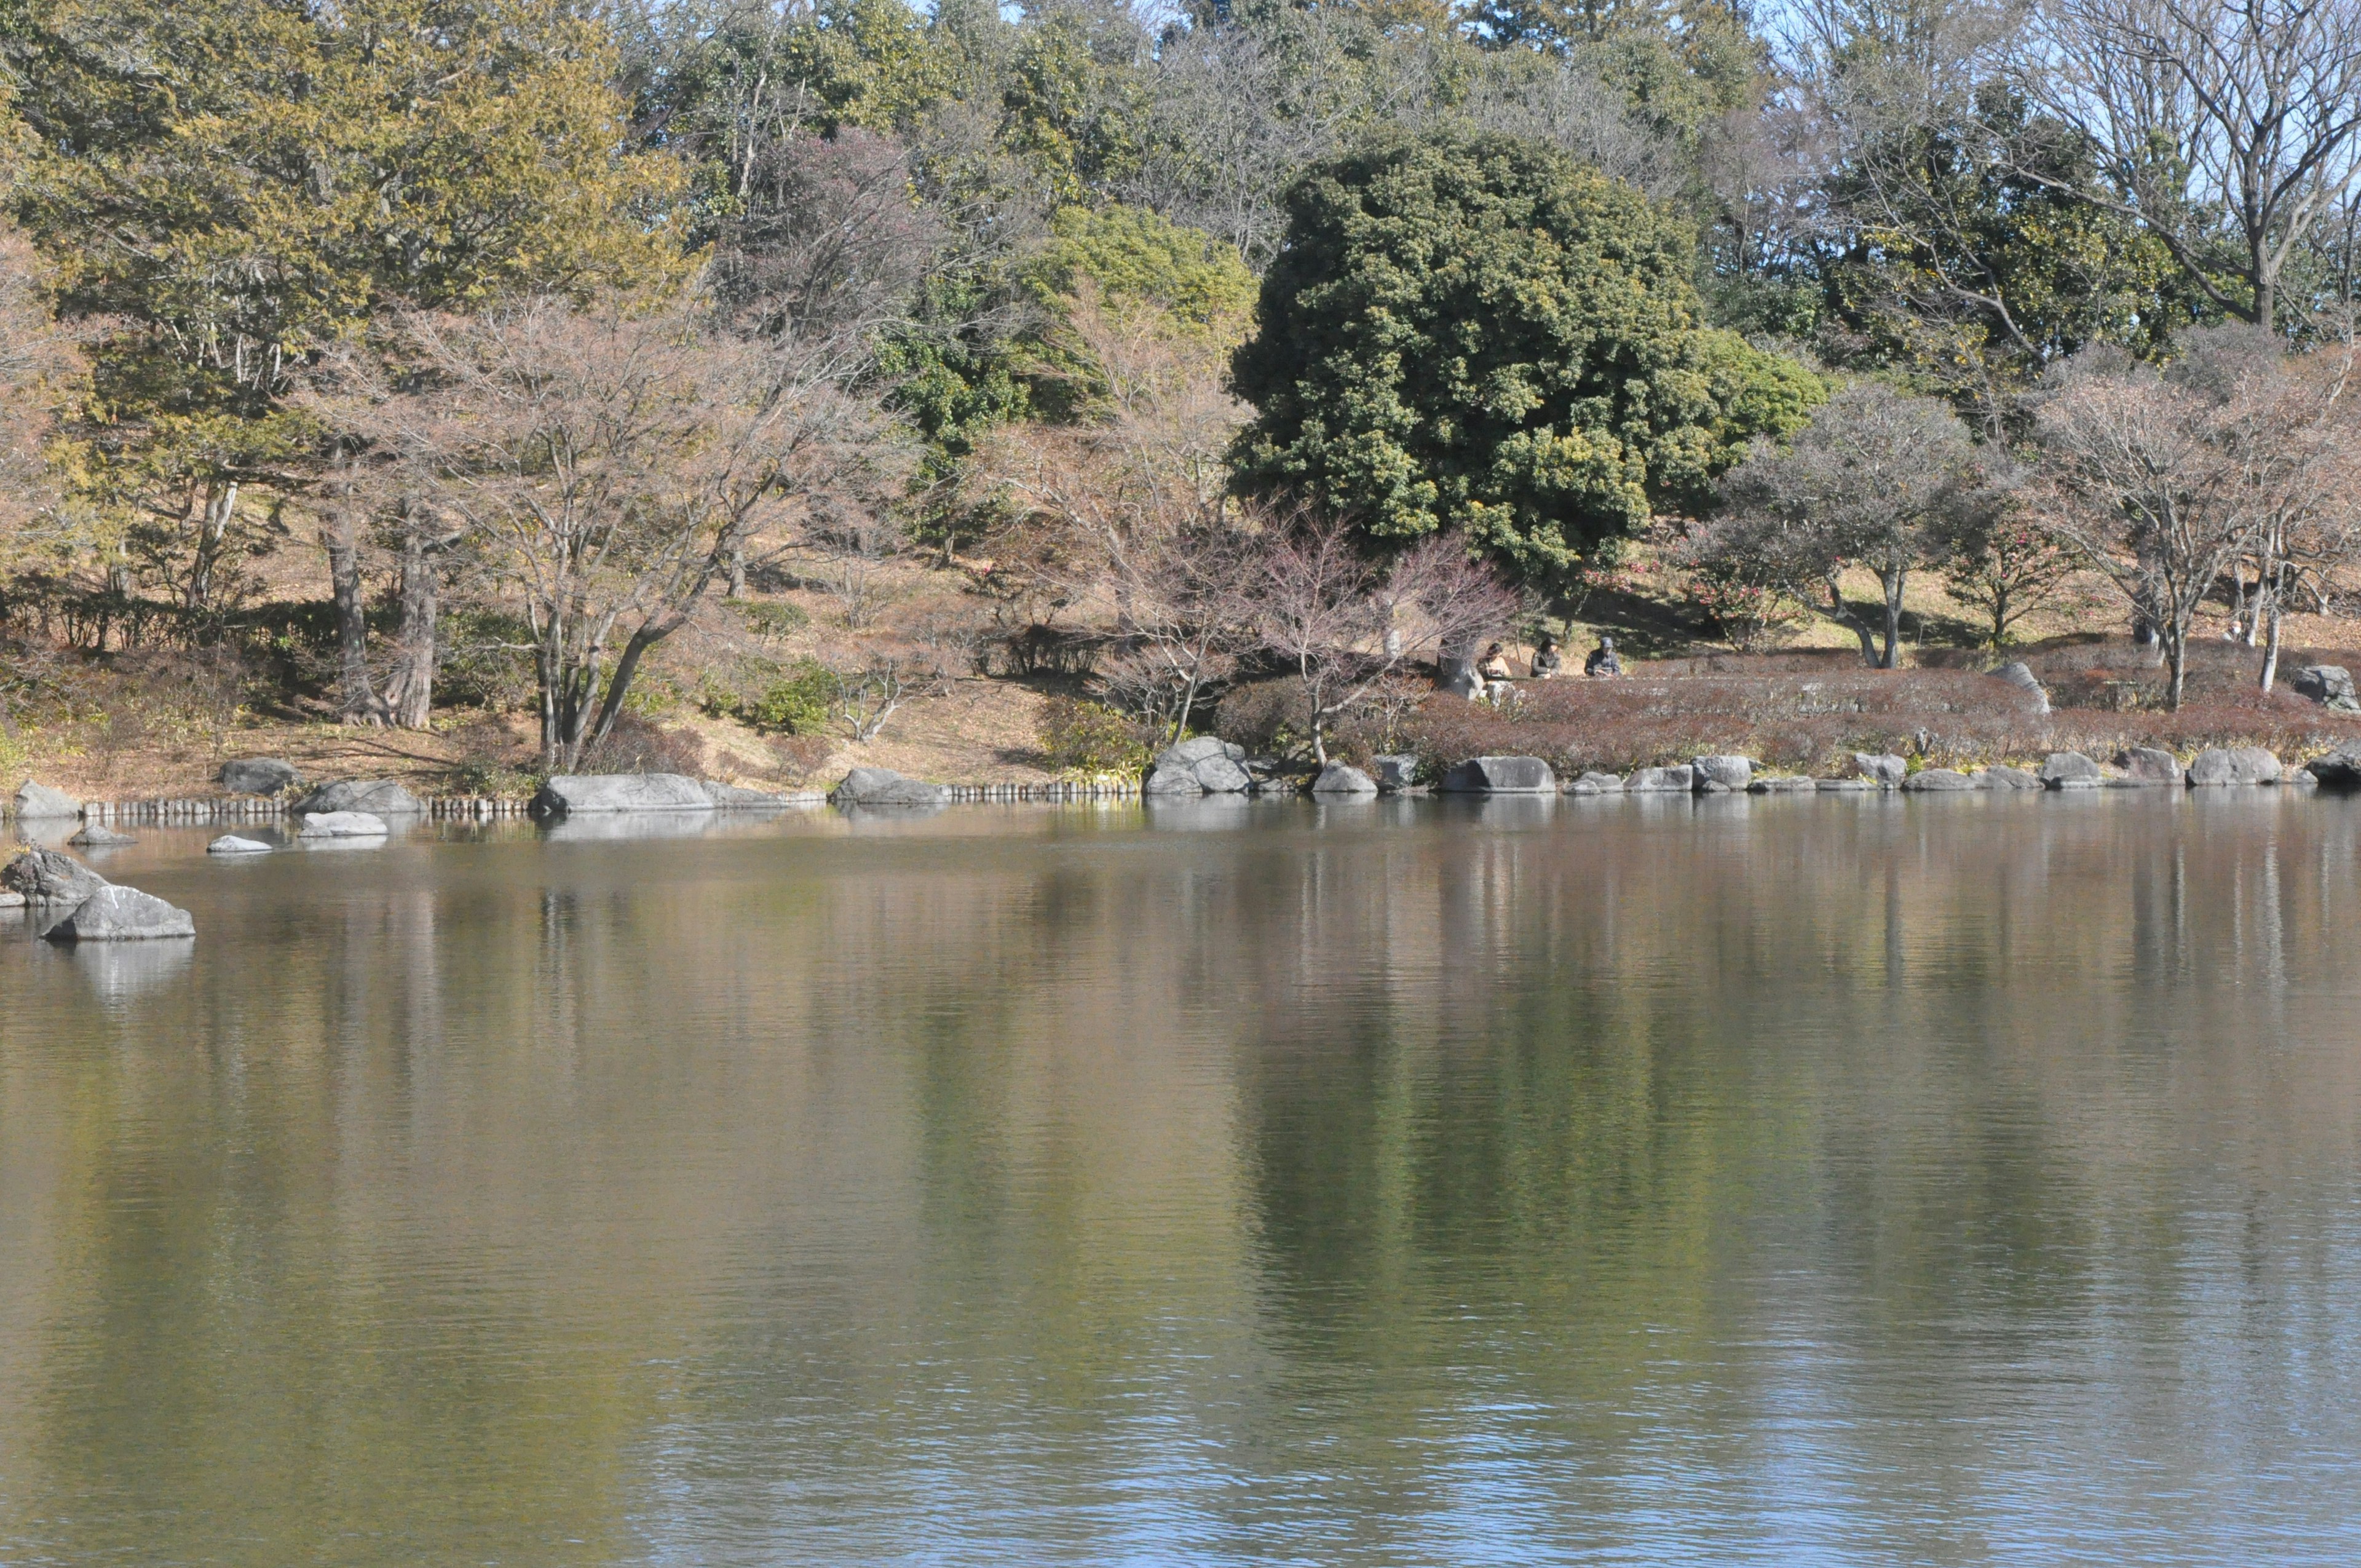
<point>1937,781</point>
<point>1660,781</point>
<point>98,836</point>
<point>40,802</point>
<point>567,795</point>
<point>884,786</point>
<point>1338,779</point>
<point>2340,769</point>
<point>121,915</point>
<point>230,844</point>
<point>45,876</point>
<point>1782,786</point>
<point>1711,775</point>
<point>1595,783</point>
<point>2219,765</point>
<point>2003,777</point>
<point>342,825</point>
<point>1880,767</point>
<point>378,798</point>
<point>2148,765</point>
<point>1502,775</point>
<point>1394,771</point>
<point>258,775</point>
<point>2072,770</point>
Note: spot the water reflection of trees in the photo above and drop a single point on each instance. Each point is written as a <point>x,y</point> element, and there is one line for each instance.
<point>994,1181</point>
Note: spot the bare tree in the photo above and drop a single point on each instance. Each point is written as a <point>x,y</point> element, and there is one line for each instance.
<point>2159,479</point>
<point>1347,625</point>
<point>2227,129</point>
<point>1875,482</point>
<point>613,466</point>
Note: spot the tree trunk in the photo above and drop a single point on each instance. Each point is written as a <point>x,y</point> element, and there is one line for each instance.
<point>2176,652</point>
<point>2271,647</point>
<point>1893,583</point>
<point>359,702</point>
<point>212,529</point>
<point>409,690</point>
<point>1844,616</point>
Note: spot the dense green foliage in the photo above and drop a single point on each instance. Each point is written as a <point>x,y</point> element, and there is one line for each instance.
<point>1477,333</point>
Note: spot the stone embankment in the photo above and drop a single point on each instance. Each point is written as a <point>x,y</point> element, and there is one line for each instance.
<point>2137,767</point>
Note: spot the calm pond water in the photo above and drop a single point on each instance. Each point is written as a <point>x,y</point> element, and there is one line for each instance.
<point>1951,1180</point>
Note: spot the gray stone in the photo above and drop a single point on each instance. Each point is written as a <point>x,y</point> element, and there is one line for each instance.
<point>568,794</point>
<point>40,802</point>
<point>2218,765</point>
<point>1937,781</point>
<point>1595,783</point>
<point>2331,686</point>
<point>98,836</point>
<point>10,899</point>
<point>342,825</point>
<point>378,798</point>
<point>230,844</point>
<point>1205,764</point>
<point>1394,771</point>
<point>1999,777</point>
<point>1660,781</point>
<point>2072,770</point>
<point>1782,786</point>
<point>121,915</point>
<point>2340,769</point>
<point>1880,767</point>
<point>884,786</point>
<point>45,876</point>
<point>1855,786</point>
<point>2148,765</point>
<point>1502,775</point>
<point>1197,748</point>
<point>730,798</point>
<point>1713,775</point>
<point>258,775</point>
<point>2016,673</point>
<point>1338,779</point>
<point>1223,775</point>
<point>1172,781</point>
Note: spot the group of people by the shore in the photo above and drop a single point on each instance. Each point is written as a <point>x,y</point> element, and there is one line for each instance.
<point>1494,678</point>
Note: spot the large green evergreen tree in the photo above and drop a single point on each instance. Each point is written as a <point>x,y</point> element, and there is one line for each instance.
<point>1479,332</point>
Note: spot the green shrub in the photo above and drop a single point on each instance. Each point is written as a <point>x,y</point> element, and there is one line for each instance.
<point>772,620</point>
<point>1093,740</point>
<point>799,702</point>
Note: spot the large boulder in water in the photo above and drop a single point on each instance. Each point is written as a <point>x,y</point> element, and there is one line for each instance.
<point>1202,765</point>
<point>1999,776</point>
<point>1661,781</point>
<point>99,836</point>
<point>884,786</point>
<point>2072,770</point>
<point>1595,783</point>
<point>571,794</point>
<point>2340,769</point>
<point>258,775</point>
<point>121,915</point>
<point>1879,767</point>
<point>2220,765</point>
<point>1394,771</point>
<point>342,825</point>
<point>40,802</point>
<point>1338,779</point>
<point>732,797</point>
<point>1502,775</point>
<point>2148,765</point>
<point>45,876</point>
<point>230,844</point>
<point>2331,686</point>
<point>1937,781</point>
<point>1722,775</point>
<point>378,798</point>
